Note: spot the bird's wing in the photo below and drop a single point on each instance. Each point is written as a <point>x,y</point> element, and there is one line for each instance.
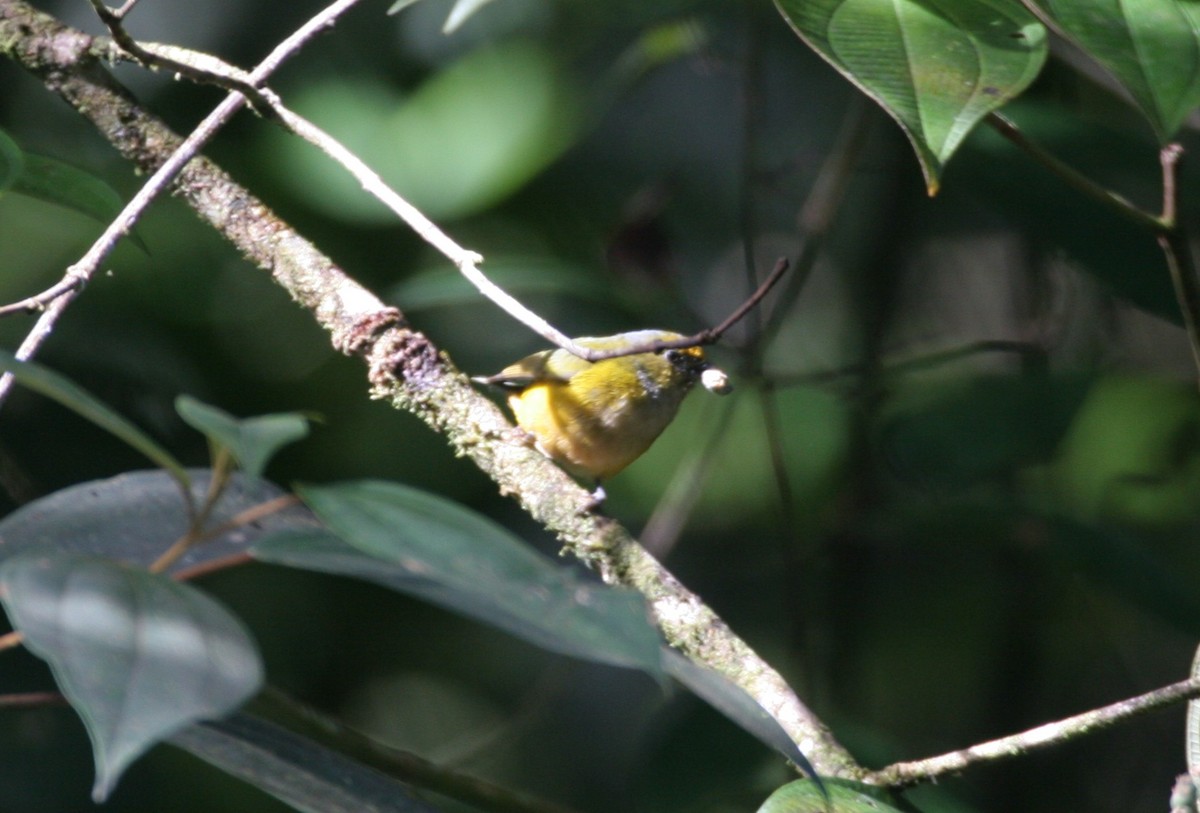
<point>548,365</point>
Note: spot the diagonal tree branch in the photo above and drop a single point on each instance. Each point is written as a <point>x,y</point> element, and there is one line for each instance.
<point>405,368</point>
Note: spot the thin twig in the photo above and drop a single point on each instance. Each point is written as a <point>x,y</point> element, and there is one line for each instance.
<point>909,773</point>
<point>666,522</point>
<point>24,700</point>
<point>1114,201</point>
<point>38,302</point>
<point>87,266</point>
<point>820,208</point>
<point>181,61</point>
<point>1177,251</point>
<point>11,640</point>
<point>194,537</point>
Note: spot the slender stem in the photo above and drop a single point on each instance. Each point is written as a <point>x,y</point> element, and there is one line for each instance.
<point>23,700</point>
<point>1072,176</point>
<point>1043,736</point>
<point>87,265</point>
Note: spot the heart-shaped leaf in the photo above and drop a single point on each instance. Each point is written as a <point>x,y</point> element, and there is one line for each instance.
<point>137,655</point>
<point>936,66</point>
<point>1152,47</point>
<point>838,796</point>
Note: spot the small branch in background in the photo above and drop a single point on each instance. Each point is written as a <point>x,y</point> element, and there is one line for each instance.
<point>909,773</point>
<point>666,522</point>
<point>409,371</point>
<point>820,208</point>
<point>1073,177</point>
<point>87,266</point>
<point>39,302</point>
<point>11,640</point>
<point>1177,251</point>
<point>190,64</point>
<point>26,700</point>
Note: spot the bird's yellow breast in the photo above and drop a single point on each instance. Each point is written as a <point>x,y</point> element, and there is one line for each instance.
<point>594,425</point>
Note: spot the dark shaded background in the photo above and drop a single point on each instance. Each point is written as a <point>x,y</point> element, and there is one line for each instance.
<point>935,549</point>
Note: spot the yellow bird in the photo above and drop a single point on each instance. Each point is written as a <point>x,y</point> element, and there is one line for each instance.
<point>595,418</point>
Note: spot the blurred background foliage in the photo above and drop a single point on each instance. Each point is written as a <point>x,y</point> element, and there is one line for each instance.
<point>955,496</point>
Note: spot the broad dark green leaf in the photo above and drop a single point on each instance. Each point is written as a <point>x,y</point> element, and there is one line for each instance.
<point>251,441</point>
<point>12,161</point>
<point>135,516</point>
<point>55,181</point>
<point>295,770</point>
<point>936,66</point>
<point>137,655</point>
<point>85,405</point>
<point>432,548</point>
<point>805,796</point>
<point>1152,47</point>
<point>729,699</point>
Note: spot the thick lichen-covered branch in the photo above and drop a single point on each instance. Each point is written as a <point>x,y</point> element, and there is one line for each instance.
<point>405,367</point>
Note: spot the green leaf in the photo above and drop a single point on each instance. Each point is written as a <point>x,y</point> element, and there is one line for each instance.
<point>137,655</point>
<point>295,770</point>
<point>251,441</point>
<point>12,161</point>
<point>135,516</point>
<point>85,405</point>
<point>58,182</point>
<point>422,545</point>
<point>732,701</point>
<point>805,796</point>
<point>1152,47</point>
<point>936,66</point>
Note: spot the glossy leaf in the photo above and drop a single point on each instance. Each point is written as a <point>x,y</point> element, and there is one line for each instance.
<point>805,796</point>
<point>12,161</point>
<point>729,699</point>
<point>135,516</point>
<point>66,392</point>
<point>936,66</point>
<point>58,182</point>
<point>295,770</point>
<point>137,655</point>
<point>1152,47</point>
<point>251,441</point>
<point>429,547</point>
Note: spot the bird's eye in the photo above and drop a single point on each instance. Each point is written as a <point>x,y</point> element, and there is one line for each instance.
<point>672,355</point>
